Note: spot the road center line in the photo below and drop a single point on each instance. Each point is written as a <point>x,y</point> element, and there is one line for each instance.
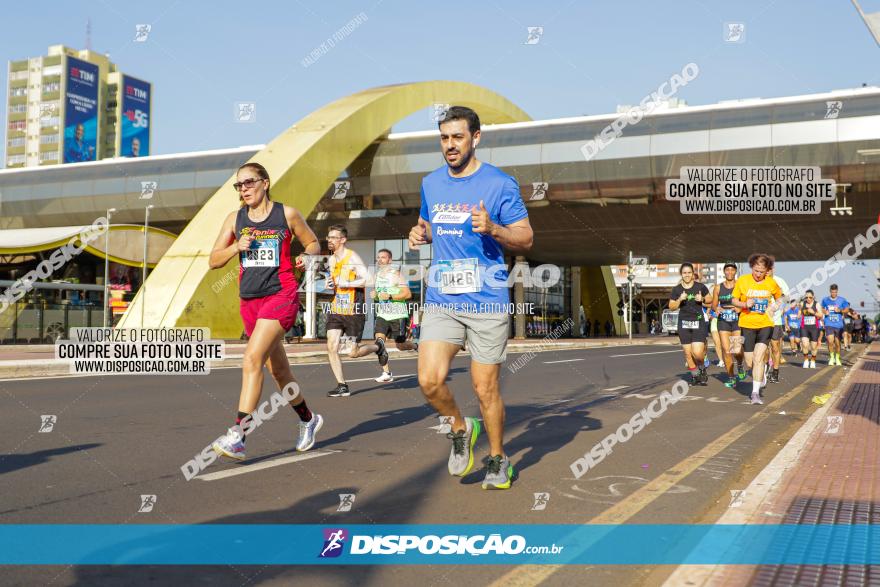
<point>563,361</point>
<point>265,465</point>
<point>616,388</point>
<point>396,377</point>
<point>640,354</point>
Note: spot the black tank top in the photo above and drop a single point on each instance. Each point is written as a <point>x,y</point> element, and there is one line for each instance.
<point>725,295</point>
<point>804,318</point>
<point>265,268</point>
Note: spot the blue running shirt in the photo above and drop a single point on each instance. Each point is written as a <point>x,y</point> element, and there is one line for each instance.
<point>832,309</point>
<point>458,278</point>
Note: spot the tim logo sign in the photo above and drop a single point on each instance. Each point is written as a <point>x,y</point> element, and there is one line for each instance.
<point>334,540</point>
<point>82,75</point>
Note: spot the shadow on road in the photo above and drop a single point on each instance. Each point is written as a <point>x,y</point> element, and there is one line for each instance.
<point>554,431</point>
<point>398,505</point>
<point>14,462</point>
<point>408,383</point>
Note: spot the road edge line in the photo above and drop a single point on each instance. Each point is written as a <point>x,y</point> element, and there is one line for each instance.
<point>768,480</point>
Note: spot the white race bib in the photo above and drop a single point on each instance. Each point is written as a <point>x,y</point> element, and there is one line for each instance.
<point>690,323</point>
<point>263,253</point>
<point>760,305</point>
<point>809,320</point>
<point>459,276</point>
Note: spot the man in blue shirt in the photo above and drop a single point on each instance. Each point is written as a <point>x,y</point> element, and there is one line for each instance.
<point>471,212</point>
<point>835,307</point>
<point>793,325</point>
<point>78,151</point>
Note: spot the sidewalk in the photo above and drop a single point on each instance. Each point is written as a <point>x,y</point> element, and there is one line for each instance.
<point>828,473</point>
<point>18,361</point>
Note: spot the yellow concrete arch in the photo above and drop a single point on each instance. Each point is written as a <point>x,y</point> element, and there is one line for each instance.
<point>302,162</point>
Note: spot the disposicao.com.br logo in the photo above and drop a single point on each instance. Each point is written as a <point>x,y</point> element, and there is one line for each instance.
<point>334,541</point>
<point>430,544</point>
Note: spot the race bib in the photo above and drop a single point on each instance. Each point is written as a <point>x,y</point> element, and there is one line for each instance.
<point>263,253</point>
<point>459,276</point>
<point>728,315</point>
<point>809,320</point>
<point>690,323</point>
<point>760,305</point>
<point>343,301</point>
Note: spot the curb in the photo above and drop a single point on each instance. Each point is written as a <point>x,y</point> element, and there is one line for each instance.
<point>764,488</point>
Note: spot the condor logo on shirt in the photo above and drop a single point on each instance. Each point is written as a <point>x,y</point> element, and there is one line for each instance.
<point>450,213</point>
<point>450,217</point>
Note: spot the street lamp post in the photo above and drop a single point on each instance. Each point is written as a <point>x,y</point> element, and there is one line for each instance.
<point>144,278</point>
<point>630,277</point>
<point>110,212</point>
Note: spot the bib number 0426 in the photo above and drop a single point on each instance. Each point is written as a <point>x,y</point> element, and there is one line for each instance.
<point>459,276</point>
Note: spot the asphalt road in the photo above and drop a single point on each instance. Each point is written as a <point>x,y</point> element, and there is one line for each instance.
<point>117,438</point>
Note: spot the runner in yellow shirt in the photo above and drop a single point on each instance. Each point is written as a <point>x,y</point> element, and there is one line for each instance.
<point>756,295</point>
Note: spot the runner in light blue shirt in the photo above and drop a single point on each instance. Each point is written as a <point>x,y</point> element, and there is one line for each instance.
<point>471,212</point>
<point>835,307</point>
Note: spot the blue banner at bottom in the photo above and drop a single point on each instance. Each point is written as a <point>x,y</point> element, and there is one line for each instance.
<point>264,544</point>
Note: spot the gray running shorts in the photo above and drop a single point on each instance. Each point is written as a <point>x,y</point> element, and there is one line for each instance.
<point>486,334</point>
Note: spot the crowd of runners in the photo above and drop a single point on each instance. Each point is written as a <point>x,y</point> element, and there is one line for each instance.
<point>750,316</point>
<point>472,213</point>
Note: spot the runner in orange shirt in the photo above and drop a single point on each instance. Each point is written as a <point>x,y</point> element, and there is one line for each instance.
<point>756,295</point>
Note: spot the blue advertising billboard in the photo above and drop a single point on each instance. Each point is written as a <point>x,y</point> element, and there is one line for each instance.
<point>81,111</point>
<point>135,119</point>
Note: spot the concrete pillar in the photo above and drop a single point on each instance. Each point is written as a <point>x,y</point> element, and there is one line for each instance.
<point>576,302</point>
<point>519,297</point>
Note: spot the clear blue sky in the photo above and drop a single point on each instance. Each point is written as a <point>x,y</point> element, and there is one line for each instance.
<point>203,57</point>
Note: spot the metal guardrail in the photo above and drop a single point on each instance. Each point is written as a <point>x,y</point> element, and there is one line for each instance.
<point>57,286</point>
<point>45,322</point>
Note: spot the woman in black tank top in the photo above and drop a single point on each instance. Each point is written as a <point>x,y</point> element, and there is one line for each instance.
<point>260,235</point>
<point>811,313</point>
<point>728,324</point>
<point>689,297</point>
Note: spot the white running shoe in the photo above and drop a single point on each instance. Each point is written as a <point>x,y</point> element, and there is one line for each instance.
<point>812,364</point>
<point>230,445</point>
<point>385,377</point>
<point>721,362</point>
<point>307,432</point>
<point>806,364</point>
<point>756,399</point>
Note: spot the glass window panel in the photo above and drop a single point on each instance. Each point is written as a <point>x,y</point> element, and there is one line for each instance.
<point>799,112</point>
<point>737,117</point>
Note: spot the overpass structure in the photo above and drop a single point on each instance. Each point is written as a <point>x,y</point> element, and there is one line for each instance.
<point>591,214</point>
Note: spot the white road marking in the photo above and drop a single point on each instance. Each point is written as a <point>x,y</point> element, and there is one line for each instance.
<point>373,379</point>
<point>640,354</point>
<point>565,361</point>
<point>265,465</point>
<point>616,388</point>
